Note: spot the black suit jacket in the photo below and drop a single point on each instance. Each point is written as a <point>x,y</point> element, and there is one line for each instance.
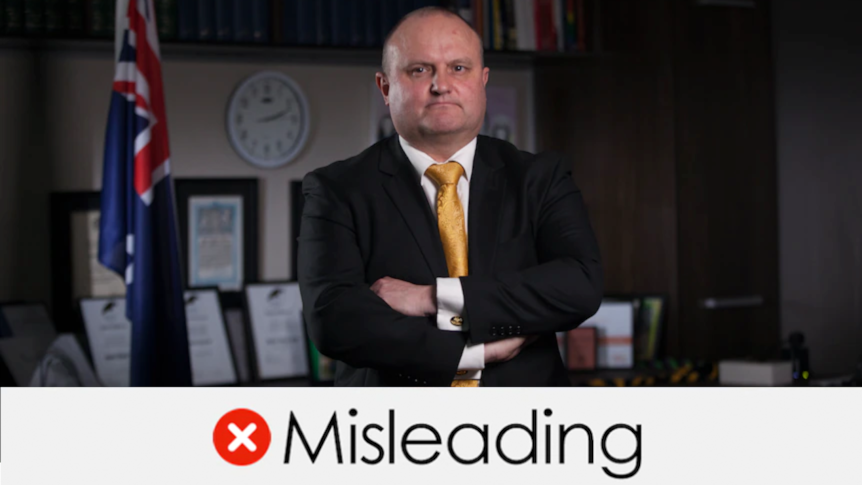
<point>533,262</point>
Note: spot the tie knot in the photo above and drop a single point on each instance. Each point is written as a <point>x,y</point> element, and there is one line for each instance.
<point>445,173</point>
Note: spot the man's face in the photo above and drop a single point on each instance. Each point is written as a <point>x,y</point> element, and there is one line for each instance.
<point>436,82</point>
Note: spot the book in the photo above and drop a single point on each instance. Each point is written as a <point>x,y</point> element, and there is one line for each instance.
<point>96,25</point>
<point>241,21</point>
<point>260,21</point>
<point>55,17</point>
<point>372,24</point>
<point>187,19</point>
<point>510,24</point>
<point>224,20</point>
<point>206,20</point>
<point>75,18</point>
<point>340,22</point>
<point>14,17</point>
<point>166,19</point>
<point>306,22</point>
<point>34,17</point>
<point>324,22</point>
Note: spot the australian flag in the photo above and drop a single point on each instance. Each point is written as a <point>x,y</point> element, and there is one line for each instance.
<point>138,233</point>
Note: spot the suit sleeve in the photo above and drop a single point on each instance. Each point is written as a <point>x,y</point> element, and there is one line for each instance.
<point>557,294</point>
<point>346,320</point>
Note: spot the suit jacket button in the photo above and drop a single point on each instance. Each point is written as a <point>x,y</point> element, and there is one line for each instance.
<point>457,321</point>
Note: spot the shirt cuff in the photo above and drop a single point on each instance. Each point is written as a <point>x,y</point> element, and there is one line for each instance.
<point>473,357</point>
<point>450,305</point>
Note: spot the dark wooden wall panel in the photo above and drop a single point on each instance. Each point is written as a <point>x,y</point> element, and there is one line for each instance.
<point>727,178</point>
<point>671,136</point>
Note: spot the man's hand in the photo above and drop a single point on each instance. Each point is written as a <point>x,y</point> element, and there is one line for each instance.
<point>407,298</point>
<point>506,349</point>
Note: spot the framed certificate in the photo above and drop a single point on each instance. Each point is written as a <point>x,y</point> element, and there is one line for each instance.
<point>75,268</point>
<point>109,335</point>
<point>274,313</point>
<point>209,345</point>
<point>218,230</point>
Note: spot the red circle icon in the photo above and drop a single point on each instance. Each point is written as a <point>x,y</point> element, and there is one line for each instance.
<point>241,437</point>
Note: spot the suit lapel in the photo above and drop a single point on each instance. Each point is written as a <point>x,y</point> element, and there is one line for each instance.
<point>403,188</point>
<point>487,192</point>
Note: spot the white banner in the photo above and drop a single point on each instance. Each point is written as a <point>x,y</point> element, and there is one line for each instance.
<point>431,436</point>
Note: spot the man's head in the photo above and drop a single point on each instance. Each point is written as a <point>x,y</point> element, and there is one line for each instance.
<point>434,78</point>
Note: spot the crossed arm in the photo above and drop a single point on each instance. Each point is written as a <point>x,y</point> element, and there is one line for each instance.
<point>385,325</point>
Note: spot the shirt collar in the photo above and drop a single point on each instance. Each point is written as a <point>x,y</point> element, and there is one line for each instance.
<point>421,161</point>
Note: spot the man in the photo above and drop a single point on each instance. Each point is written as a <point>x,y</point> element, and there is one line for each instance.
<point>437,257</point>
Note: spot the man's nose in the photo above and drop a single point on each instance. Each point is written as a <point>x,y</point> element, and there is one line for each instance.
<point>440,83</point>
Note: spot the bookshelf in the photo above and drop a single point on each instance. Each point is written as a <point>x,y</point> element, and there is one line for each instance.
<point>322,55</point>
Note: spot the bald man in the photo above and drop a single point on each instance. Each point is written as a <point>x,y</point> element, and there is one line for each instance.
<point>438,257</point>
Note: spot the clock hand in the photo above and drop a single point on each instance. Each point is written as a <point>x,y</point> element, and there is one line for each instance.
<point>272,117</point>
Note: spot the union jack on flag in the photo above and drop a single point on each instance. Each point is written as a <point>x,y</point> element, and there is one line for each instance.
<point>138,233</point>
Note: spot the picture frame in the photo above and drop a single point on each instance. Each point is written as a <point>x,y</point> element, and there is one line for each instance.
<point>275,331</point>
<point>109,337</point>
<point>218,219</point>
<point>76,272</point>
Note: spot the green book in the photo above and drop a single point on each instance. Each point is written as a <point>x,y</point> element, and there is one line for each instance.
<point>75,17</point>
<point>97,21</point>
<point>14,17</point>
<point>110,12</point>
<point>55,17</point>
<point>34,17</point>
<point>166,19</point>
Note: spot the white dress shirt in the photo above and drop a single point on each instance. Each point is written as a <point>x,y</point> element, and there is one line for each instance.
<point>450,296</point>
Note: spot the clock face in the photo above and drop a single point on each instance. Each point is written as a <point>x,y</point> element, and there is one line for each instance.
<point>267,119</point>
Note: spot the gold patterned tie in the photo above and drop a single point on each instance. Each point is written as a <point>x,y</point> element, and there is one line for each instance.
<point>453,233</point>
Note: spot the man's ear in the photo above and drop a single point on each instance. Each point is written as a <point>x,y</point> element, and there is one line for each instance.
<point>485,72</point>
<point>383,86</point>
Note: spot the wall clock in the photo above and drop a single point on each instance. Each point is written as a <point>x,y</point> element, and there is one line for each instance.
<point>268,119</point>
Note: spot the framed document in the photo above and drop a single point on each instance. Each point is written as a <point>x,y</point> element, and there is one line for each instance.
<point>209,346</point>
<point>614,323</point>
<point>109,335</point>
<point>75,268</point>
<point>218,231</point>
<point>274,312</point>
